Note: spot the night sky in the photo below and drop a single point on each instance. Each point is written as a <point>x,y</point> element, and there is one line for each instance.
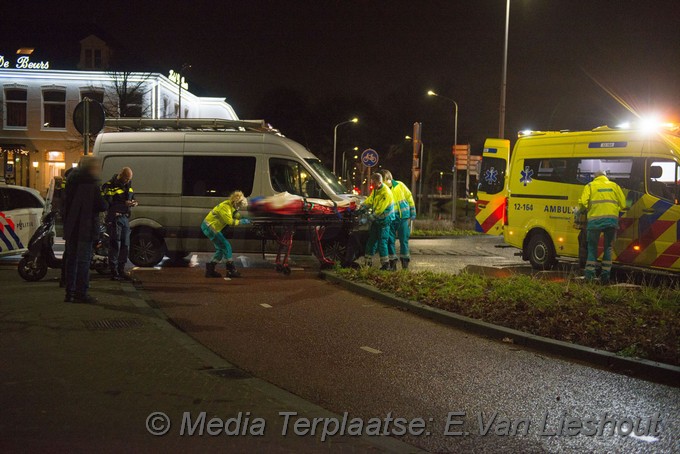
<point>306,65</point>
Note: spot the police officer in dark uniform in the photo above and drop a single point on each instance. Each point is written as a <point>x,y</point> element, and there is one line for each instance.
<point>120,196</point>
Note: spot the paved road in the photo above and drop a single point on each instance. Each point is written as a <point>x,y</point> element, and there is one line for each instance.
<point>349,353</point>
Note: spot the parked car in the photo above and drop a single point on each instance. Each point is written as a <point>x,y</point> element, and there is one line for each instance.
<point>20,212</point>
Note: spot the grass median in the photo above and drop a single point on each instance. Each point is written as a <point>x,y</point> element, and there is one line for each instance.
<point>441,228</point>
<point>643,323</point>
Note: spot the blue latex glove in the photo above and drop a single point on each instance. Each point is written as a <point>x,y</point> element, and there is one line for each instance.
<point>245,221</point>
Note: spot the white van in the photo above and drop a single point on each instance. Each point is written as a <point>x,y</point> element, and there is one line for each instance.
<point>183,168</point>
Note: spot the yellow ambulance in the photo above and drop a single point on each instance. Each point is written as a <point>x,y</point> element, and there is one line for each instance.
<point>529,195</point>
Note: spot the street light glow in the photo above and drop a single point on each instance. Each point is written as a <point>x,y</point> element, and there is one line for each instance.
<point>431,93</point>
<point>355,120</point>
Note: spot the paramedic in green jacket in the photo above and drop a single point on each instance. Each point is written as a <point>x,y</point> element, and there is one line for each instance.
<point>405,212</point>
<point>382,203</point>
<point>226,214</point>
<point>603,199</point>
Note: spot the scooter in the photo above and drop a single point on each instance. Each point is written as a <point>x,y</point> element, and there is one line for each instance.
<point>40,256</point>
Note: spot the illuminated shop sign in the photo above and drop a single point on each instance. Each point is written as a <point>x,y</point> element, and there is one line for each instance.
<point>23,62</point>
<point>178,79</point>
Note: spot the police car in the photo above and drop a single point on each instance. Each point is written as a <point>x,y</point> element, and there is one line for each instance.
<point>20,212</point>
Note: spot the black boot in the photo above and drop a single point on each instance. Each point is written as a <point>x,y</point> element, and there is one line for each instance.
<point>385,266</point>
<point>404,263</point>
<point>210,270</point>
<point>393,264</point>
<point>231,270</point>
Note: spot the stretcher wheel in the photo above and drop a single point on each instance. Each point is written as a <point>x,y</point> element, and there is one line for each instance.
<point>279,268</point>
<point>286,271</point>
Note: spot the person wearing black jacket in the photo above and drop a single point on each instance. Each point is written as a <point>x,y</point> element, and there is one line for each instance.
<point>119,195</point>
<point>82,204</point>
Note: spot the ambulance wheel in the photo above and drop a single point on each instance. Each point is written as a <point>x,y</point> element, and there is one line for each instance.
<point>32,271</point>
<point>541,252</point>
<point>146,249</point>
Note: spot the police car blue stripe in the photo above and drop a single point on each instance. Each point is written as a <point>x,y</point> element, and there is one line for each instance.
<point>5,240</point>
<point>14,235</point>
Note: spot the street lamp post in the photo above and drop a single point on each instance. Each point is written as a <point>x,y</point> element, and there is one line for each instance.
<point>344,163</point>
<point>335,138</point>
<point>454,193</point>
<point>504,77</point>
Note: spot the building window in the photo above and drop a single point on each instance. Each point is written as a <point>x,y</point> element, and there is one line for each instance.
<point>132,106</point>
<point>15,107</point>
<point>93,58</point>
<point>92,93</point>
<point>54,109</point>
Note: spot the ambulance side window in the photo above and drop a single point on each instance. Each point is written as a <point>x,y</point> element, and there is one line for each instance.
<point>625,172</point>
<point>492,175</point>
<point>556,170</point>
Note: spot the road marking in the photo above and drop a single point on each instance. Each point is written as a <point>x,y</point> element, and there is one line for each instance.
<point>371,350</point>
<point>647,438</point>
<point>265,305</point>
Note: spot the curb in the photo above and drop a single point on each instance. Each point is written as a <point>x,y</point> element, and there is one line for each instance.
<point>650,370</point>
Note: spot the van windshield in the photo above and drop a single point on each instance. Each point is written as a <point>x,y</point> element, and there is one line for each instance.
<point>327,176</point>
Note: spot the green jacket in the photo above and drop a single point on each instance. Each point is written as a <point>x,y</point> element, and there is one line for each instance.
<point>403,200</point>
<point>221,216</point>
<point>604,200</point>
<point>382,202</point>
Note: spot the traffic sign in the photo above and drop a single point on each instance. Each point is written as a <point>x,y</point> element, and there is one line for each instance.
<point>95,117</point>
<point>369,157</point>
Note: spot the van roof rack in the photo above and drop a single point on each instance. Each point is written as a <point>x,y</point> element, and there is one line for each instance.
<point>195,124</point>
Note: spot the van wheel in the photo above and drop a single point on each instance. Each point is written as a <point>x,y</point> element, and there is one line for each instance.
<point>146,249</point>
<point>335,250</point>
<point>541,252</point>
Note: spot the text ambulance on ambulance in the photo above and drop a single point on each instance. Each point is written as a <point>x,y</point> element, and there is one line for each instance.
<point>20,212</point>
<point>529,196</point>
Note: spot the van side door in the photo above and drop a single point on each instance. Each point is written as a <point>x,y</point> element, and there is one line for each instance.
<point>209,177</point>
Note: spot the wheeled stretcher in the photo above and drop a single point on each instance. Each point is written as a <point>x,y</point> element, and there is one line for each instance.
<point>280,217</point>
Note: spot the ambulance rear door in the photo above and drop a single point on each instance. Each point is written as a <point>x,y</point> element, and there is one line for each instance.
<point>490,210</point>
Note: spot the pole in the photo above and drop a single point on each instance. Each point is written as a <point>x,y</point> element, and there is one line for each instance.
<point>422,176</point>
<point>504,80</point>
<point>179,103</point>
<point>335,143</point>
<point>454,193</point>
<point>343,167</point>
<point>86,124</point>
<point>417,165</point>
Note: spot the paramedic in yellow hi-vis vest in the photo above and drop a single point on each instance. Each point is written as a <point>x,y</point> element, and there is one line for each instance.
<point>223,215</point>
<point>382,203</point>
<point>405,212</point>
<point>603,200</point>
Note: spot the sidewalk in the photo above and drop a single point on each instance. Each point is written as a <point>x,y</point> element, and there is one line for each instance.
<point>81,378</point>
